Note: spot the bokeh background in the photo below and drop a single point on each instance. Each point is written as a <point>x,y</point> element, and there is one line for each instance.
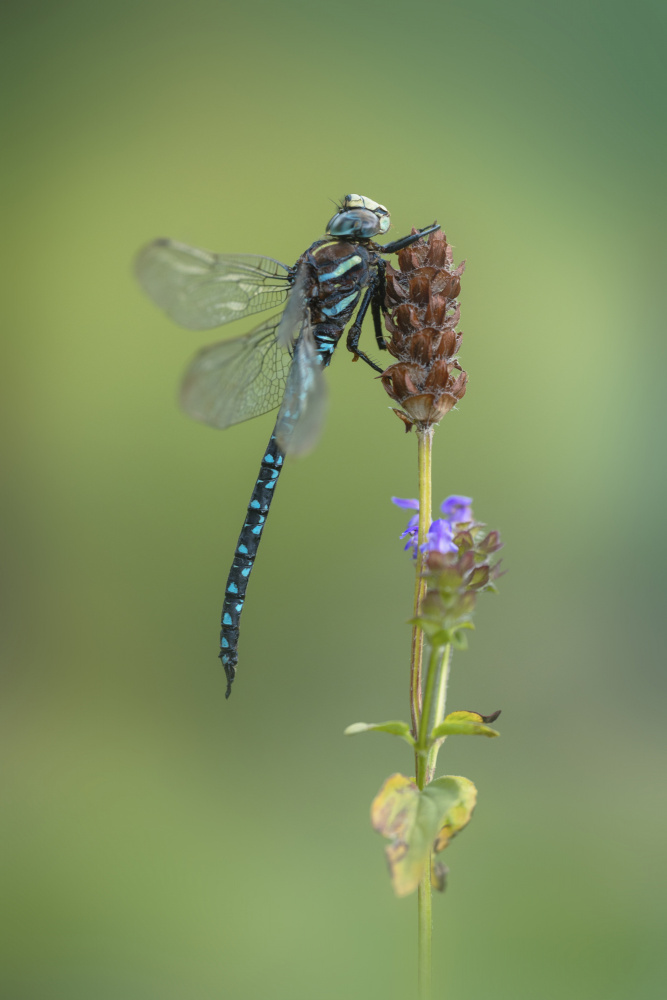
<point>160,843</point>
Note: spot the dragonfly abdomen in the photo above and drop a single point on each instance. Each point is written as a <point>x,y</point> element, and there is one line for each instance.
<point>326,336</point>
<point>244,557</point>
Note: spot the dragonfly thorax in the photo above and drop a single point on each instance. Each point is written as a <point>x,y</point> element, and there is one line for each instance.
<point>342,272</point>
<point>359,217</point>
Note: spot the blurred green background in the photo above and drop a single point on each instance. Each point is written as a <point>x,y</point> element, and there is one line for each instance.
<point>160,843</point>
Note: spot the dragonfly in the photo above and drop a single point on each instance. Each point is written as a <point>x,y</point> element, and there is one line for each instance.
<point>280,363</point>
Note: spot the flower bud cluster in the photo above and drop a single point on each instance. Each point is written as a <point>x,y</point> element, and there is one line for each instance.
<point>458,564</point>
<point>426,380</point>
<point>455,578</point>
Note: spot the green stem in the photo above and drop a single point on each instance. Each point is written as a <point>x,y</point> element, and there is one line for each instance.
<point>438,666</point>
<point>440,708</point>
<point>425,925</point>
<point>420,711</point>
<point>424,450</point>
<point>432,677</point>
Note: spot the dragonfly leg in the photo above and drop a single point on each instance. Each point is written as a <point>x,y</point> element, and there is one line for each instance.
<point>408,240</point>
<point>377,304</point>
<point>354,333</point>
<point>377,325</point>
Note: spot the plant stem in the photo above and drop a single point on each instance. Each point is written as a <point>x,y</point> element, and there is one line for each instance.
<point>439,713</point>
<point>425,923</point>
<point>424,449</point>
<point>433,675</point>
<point>436,685</point>
<point>420,713</point>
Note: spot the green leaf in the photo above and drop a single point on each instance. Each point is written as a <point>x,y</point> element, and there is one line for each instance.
<point>459,814</point>
<point>462,729</point>
<point>459,639</point>
<point>435,634</point>
<point>414,822</point>
<point>463,724</point>
<point>395,728</point>
<point>465,715</point>
<point>458,817</point>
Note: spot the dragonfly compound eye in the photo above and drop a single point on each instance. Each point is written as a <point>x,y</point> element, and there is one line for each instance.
<point>360,217</point>
<point>358,222</point>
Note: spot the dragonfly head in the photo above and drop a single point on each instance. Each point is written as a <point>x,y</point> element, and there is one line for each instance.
<point>359,217</point>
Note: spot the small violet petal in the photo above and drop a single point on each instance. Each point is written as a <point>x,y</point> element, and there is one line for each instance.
<point>440,538</point>
<point>409,504</point>
<point>411,533</point>
<point>457,509</point>
<point>413,526</point>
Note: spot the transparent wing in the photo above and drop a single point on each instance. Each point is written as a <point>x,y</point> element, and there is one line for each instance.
<point>295,313</point>
<point>200,290</point>
<point>303,409</point>
<point>237,379</point>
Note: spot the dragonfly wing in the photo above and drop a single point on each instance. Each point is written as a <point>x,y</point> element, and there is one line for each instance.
<point>201,290</point>
<point>295,314</point>
<point>237,379</point>
<point>302,413</point>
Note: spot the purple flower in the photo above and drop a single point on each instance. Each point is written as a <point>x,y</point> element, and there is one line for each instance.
<point>409,504</point>
<point>440,537</point>
<point>457,509</point>
<point>411,533</point>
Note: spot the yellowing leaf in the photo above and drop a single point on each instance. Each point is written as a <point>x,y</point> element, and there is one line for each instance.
<point>464,724</point>
<point>411,820</point>
<point>460,813</point>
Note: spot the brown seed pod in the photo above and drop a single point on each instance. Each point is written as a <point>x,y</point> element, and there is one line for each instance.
<point>423,311</point>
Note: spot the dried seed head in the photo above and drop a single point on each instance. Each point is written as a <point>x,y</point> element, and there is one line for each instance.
<point>423,311</point>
